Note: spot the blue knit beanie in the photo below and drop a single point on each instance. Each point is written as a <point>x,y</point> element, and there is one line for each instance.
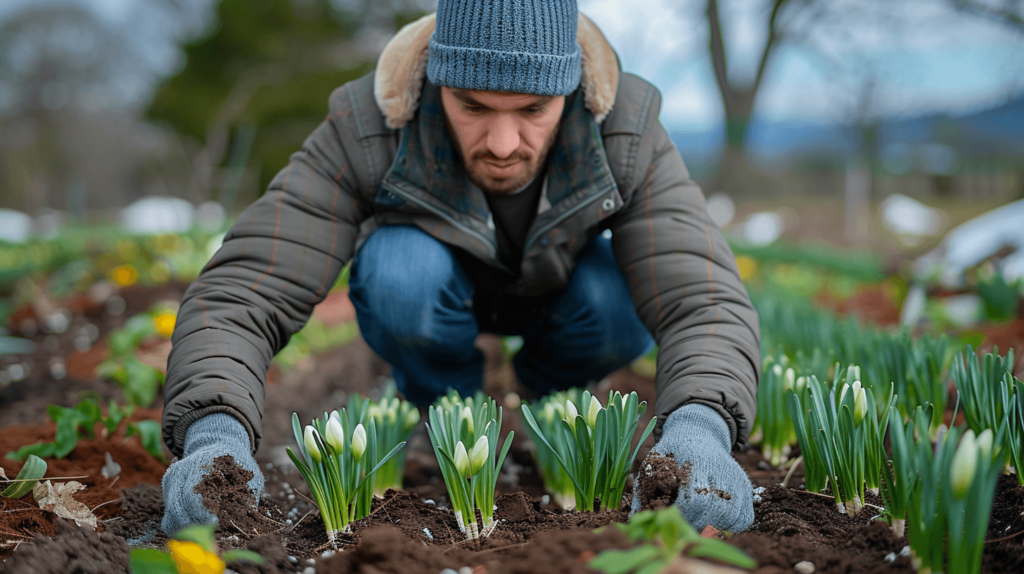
<point>524,46</point>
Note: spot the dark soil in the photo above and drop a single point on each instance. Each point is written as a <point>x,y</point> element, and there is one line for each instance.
<point>21,519</point>
<point>74,551</point>
<point>792,526</point>
<point>660,479</point>
<point>226,494</point>
<point>405,533</point>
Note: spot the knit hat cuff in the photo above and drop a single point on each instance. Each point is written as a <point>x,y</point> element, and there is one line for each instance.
<point>498,71</point>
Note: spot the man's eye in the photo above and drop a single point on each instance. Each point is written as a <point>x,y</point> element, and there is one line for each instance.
<point>534,111</point>
<point>474,109</point>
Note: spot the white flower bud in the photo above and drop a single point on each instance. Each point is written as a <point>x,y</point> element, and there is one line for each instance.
<point>309,438</point>
<point>592,410</point>
<point>860,404</point>
<point>478,456</point>
<point>462,460</point>
<point>777,369</point>
<point>335,434</point>
<point>964,462</point>
<point>358,442</point>
<point>788,380</point>
<point>571,414</point>
<point>411,418</point>
<point>985,443</point>
<point>467,415</point>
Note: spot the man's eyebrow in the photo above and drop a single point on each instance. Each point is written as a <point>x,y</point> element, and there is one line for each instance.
<point>467,98</point>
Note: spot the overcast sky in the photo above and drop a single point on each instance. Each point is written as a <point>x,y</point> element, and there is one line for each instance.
<point>939,61</point>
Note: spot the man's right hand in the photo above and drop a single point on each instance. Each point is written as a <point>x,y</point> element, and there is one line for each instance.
<point>207,438</point>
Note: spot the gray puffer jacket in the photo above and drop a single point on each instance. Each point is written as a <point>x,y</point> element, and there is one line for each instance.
<point>382,157</point>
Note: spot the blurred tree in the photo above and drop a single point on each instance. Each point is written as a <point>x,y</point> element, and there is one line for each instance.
<point>1007,12</point>
<point>264,70</point>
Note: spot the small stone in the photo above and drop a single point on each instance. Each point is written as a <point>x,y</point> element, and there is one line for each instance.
<point>465,570</point>
<point>293,560</point>
<point>268,466</point>
<point>804,567</point>
<point>310,561</point>
<point>431,502</point>
<point>327,554</point>
<point>757,499</point>
<point>759,490</point>
<point>905,551</point>
<point>763,465</point>
<point>291,497</point>
<point>309,570</point>
<point>890,557</point>
<point>545,499</point>
<point>448,571</point>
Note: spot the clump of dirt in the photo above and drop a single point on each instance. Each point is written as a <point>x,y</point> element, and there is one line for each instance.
<point>272,550</point>
<point>78,551</point>
<point>660,479</point>
<point>142,509</point>
<point>792,526</point>
<point>226,495</point>
<point>387,550</point>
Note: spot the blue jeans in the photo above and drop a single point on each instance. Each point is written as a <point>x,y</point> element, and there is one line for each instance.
<point>419,310</point>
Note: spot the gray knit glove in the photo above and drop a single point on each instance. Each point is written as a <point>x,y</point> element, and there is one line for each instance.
<point>207,438</point>
<point>717,491</point>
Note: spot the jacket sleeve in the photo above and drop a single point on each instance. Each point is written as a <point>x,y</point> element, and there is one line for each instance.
<point>685,286</point>
<point>276,263</point>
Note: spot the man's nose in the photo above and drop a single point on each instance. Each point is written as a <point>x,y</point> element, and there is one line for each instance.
<point>503,137</point>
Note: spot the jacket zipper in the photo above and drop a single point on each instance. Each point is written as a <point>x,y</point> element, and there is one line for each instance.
<point>486,240</point>
<point>560,219</point>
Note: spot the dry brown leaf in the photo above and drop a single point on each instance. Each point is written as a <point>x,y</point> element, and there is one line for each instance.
<point>56,498</point>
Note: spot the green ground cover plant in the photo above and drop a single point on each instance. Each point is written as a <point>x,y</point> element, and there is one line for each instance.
<point>841,437</point>
<point>394,420</point>
<point>80,421</point>
<point>550,412</point>
<point>597,440</point>
<point>470,472</point>
<point>337,458</point>
<point>666,536</point>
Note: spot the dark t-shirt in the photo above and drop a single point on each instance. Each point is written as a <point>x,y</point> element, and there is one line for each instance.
<point>513,215</point>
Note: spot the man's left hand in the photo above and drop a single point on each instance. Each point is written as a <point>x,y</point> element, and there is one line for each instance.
<point>713,489</point>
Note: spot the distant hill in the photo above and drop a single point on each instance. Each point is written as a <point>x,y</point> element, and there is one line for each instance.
<point>992,132</point>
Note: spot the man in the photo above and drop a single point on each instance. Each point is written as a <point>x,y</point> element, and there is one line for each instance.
<point>478,198</point>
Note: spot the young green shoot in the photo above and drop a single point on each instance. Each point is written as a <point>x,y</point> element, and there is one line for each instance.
<point>841,437</point>
<point>550,411</point>
<point>394,420</point>
<point>667,535</point>
<point>597,441</point>
<point>464,434</point>
<point>338,457</point>
<point>773,420</point>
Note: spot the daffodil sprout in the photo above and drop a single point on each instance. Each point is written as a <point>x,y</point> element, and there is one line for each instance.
<point>841,437</point>
<point>470,474</point>
<point>550,412</point>
<point>339,474</point>
<point>394,421</point>
<point>594,450</point>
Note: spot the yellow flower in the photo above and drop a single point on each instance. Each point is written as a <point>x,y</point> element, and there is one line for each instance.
<point>747,267</point>
<point>124,275</point>
<point>164,323</point>
<point>190,558</point>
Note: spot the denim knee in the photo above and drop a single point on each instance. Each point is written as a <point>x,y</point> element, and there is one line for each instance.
<point>602,304</point>
<point>402,279</point>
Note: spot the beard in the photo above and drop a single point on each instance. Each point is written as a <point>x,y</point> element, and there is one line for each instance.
<point>474,165</point>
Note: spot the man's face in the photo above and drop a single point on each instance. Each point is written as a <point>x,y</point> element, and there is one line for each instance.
<point>502,137</point>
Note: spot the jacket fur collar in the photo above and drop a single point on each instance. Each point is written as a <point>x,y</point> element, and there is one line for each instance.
<point>402,68</point>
